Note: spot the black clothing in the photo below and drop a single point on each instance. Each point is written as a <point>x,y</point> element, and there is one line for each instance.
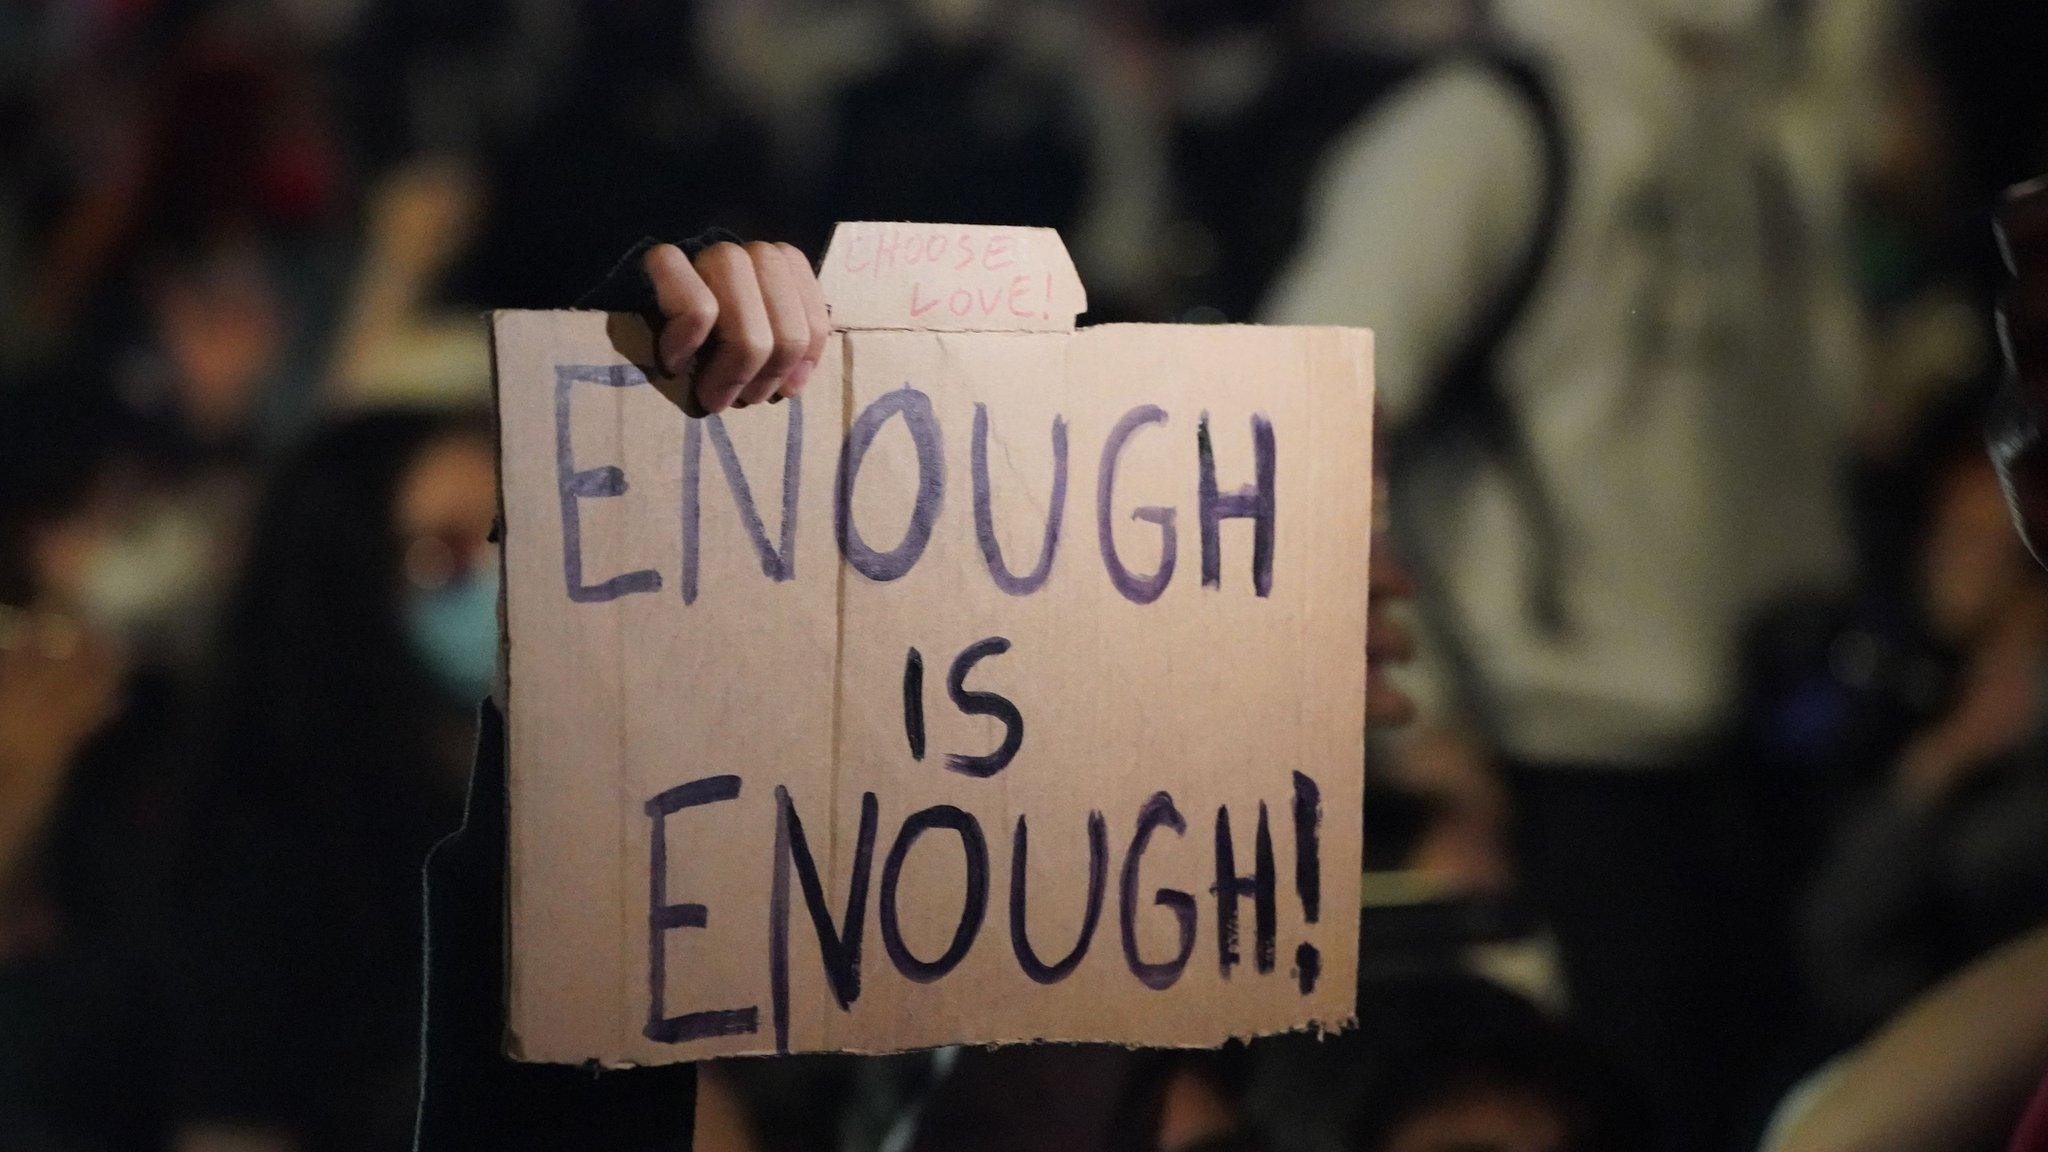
<point>81,1054</point>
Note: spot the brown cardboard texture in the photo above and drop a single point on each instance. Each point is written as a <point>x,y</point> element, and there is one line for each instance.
<point>1007,685</point>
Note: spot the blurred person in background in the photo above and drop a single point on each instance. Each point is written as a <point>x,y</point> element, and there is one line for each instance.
<point>1945,855</point>
<point>201,280</point>
<point>1951,1072</point>
<point>1953,1069</point>
<point>360,638</point>
<point>90,712</point>
<point>191,283</point>
<point>2015,441</point>
<point>1616,353</point>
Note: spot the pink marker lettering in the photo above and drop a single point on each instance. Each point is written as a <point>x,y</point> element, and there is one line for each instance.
<point>853,261</point>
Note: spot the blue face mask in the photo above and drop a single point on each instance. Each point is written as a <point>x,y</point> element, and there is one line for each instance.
<point>454,632</point>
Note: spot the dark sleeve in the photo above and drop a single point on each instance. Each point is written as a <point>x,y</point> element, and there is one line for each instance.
<point>471,1095</point>
<point>625,287</point>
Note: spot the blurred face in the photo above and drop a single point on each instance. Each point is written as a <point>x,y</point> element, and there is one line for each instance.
<point>1489,1120</point>
<point>130,562</point>
<point>222,327</point>
<point>446,503</point>
<point>1973,565</point>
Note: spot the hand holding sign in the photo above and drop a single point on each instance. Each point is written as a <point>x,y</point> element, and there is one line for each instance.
<point>758,306</point>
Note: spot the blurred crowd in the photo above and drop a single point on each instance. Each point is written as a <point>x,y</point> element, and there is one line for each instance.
<point>1725,813</point>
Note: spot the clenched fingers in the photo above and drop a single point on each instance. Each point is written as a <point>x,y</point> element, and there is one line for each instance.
<point>817,319</point>
<point>688,308</point>
<point>782,300</point>
<point>753,314</point>
<point>746,338</point>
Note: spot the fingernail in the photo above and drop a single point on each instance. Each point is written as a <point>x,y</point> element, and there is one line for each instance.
<point>799,374</point>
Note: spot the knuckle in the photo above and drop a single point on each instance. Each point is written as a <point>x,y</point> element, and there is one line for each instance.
<point>794,255</point>
<point>694,318</point>
<point>698,319</point>
<point>725,255</point>
<point>750,350</point>
<point>662,260</point>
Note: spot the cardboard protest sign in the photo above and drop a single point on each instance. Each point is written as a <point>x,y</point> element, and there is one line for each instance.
<point>1006,685</point>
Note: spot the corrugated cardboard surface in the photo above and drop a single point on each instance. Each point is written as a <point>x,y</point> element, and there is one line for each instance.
<point>785,668</point>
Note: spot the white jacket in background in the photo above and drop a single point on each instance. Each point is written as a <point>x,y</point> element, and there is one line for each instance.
<point>1684,373</point>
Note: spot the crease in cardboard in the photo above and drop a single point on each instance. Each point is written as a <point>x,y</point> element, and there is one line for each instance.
<point>622,800</point>
<point>839,571</point>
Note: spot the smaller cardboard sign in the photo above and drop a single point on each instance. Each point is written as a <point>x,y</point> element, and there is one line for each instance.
<point>1007,685</point>
<point>950,278</point>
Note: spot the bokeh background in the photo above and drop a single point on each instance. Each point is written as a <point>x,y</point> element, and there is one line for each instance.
<point>246,485</point>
